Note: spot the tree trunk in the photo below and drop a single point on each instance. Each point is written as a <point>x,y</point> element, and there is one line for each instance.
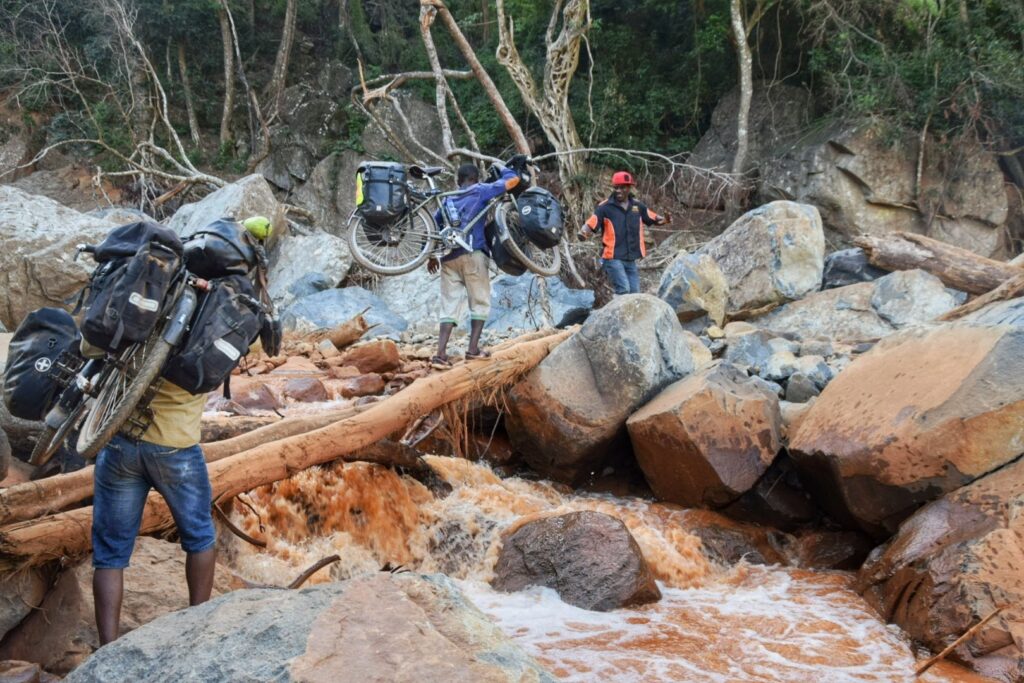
<point>1011,289</point>
<point>229,76</point>
<point>66,534</point>
<point>279,75</point>
<point>193,121</point>
<point>511,125</point>
<point>427,15</point>
<point>745,60</point>
<point>956,267</point>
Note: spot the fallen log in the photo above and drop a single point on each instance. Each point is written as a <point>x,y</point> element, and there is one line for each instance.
<point>38,498</point>
<point>1011,289</point>
<point>67,534</point>
<point>957,268</point>
<point>222,428</point>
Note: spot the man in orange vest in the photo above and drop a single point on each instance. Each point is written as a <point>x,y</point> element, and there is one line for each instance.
<point>621,219</point>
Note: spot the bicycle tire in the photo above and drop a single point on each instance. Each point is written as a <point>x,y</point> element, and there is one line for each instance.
<point>116,399</point>
<point>521,247</point>
<point>50,439</point>
<point>378,261</point>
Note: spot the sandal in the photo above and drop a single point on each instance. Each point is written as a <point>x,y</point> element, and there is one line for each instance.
<point>479,354</point>
<point>440,362</point>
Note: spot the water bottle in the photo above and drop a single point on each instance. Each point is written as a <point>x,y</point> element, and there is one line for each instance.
<point>452,213</point>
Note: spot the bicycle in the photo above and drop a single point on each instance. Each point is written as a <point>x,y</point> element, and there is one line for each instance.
<point>98,395</point>
<point>403,244</point>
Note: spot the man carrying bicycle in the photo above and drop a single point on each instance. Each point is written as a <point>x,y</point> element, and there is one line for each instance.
<point>464,274</point>
<point>166,457</point>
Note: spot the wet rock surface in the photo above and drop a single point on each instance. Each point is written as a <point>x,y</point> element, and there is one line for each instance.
<point>403,627</point>
<point>568,412</point>
<point>590,558</point>
<point>705,440</point>
<point>951,564</point>
<point>923,413</point>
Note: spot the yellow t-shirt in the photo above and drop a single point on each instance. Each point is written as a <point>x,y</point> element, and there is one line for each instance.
<point>177,414</point>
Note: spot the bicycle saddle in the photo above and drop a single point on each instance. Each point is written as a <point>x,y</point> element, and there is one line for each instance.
<point>421,172</point>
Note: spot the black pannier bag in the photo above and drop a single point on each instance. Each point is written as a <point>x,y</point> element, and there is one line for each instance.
<point>226,323</point>
<point>126,293</point>
<point>505,261</point>
<point>380,191</point>
<point>125,241</point>
<point>540,217</point>
<point>44,338</point>
<point>220,249</point>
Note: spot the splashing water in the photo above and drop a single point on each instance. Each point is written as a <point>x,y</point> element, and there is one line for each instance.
<point>714,623</point>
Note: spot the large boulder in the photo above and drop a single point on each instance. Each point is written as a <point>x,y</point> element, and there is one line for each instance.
<point>38,237</point>
<point>864,311</point>
<point>590,558</point>
<point>706,439</point>
<point>20,593</point>
<point>922,413</point>
<point>331,307</point>
<point>297,257</point>
<point>779,115</point>
<point>330,191</point>
<point>423,129</point>
<point>864,182</point>
<point>310,116</point>
<point>770,255</point>
<point>950,565</point>
<point>567,413</point>
<point>847,267</point>
<point>382,627</point>
<point>530,302</point>
<point>249,196</point>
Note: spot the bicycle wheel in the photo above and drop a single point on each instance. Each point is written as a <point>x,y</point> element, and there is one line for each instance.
<point>393,249</point>
<point>540,261</point>
<point>122,390</point>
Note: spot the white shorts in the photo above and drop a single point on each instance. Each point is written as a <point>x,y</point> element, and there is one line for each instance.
<point>465,278</point>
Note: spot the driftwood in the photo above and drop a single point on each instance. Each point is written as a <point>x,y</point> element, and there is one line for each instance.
<point>952,646</point>
<point>38,498</point>
<point>221,428</point>
<point>956,267</point>
<point>67,534</point>
<point>1010,289</point>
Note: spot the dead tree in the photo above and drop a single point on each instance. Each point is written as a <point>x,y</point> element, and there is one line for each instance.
<point>279,74</point>
<point>190,107</point>
<point>228,46</point>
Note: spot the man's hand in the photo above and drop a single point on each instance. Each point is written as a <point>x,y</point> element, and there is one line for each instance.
<point>433,265</point>
<point>666,219</point>
<point>518,162</point>
<point>585,232</point>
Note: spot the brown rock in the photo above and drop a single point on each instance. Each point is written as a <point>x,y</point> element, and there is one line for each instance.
<point>256,396</point>
<point>296,366</point>
<point>363,385</point>
<point>778,499</point>
<point>305,390</point>
<point>726,541</point>
<point>13,671</point>
<point>46,637</point>
<point>706,439</point>
<point>590,558</point>
<point>379,355</point>
<point>951,564</point>
<point>568,415</point>
<point>20,593</point>
<point>822,549</point>
<point>218,404</point>
<point>343,372</point>
<point>924,412</point>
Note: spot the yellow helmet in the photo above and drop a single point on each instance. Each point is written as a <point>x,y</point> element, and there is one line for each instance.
<point>259,227</point>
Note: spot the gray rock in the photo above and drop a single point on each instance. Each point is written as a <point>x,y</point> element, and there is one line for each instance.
<point>777,344</point>
<point>249,196</point>
<point>121,215</point>
<point>422,117</point>
<point>848,266</point>
<point>311,283</point>
<point>330,191</point>
<point>332,307</point>
<point>780,366</point>
<point>751,350</point>
<point>816,347</point>
<point>529,302</point>
<point>865,184</point>
<point>1009,312</point>
<point>567,413</point>
<point>907,297</point>
<point>693,285</point>
<point>590,558</point>
<point>800,388</point>
<point>297,256</point>
<point>382,627</point>
<point>864,311</point>
<point>815,369</point>
<point>38,237</point>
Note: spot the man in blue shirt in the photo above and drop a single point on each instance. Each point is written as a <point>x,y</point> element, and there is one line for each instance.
<point>464,274</point>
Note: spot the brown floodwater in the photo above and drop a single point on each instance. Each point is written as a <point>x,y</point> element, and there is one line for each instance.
<point>714,623</point>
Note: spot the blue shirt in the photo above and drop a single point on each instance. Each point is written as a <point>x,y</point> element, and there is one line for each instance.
<point>471,201</point>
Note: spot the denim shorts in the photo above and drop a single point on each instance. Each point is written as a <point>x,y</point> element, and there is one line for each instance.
<point>125,472</point>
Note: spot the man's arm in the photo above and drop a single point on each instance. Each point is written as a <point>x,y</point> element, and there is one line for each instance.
<point>590,226</point>
<point>651,218</point>
<point>505,182</point>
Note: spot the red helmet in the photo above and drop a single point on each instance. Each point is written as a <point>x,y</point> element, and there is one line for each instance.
<point>623,178</point>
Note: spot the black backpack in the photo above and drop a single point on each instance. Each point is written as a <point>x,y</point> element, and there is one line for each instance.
<point>381,191</point>
<point>226,322</point>
<point>126,294</point>
<point>220,249</point>
<point>44,338</point>
<point>540,217</point>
